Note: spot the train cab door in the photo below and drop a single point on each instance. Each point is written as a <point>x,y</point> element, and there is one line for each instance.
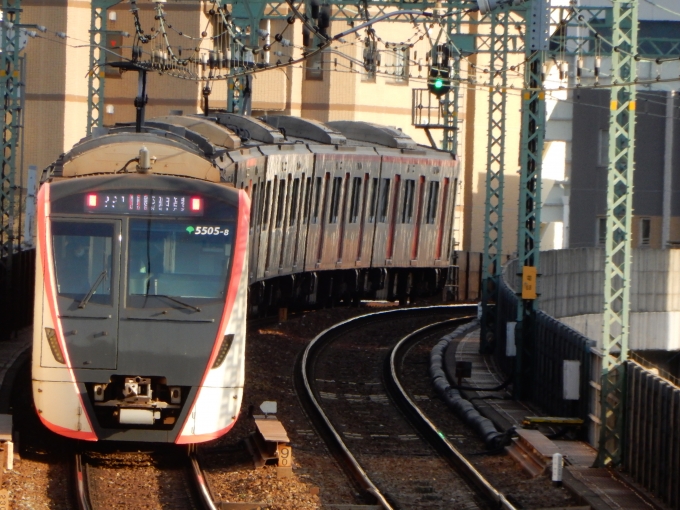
<point>86,256</point>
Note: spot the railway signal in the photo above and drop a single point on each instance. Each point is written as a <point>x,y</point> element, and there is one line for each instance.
<point>439,81</point>
<point>439,74</point>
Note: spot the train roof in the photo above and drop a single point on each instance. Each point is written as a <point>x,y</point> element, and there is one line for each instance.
<point>203,147</point>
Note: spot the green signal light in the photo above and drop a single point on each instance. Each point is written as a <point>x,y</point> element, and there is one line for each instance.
<point>190,229</point>
<point>438,83</point>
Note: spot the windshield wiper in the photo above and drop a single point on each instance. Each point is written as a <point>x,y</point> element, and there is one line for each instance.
<point>86,299</point>
<point>187,305</point>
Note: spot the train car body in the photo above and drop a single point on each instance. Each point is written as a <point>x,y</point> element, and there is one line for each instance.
<point>150,257</point>
<point>139,328</point>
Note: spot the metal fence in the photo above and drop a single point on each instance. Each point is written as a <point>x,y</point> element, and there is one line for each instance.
<point>16,293</point>
<point>554,343</point>
<point>651,442</point>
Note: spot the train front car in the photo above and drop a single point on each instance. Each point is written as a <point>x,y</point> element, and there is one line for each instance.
<point>140,306</point>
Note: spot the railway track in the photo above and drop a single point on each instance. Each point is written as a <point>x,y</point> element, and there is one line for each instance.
<point>343,380</point>
<point>167,477</point>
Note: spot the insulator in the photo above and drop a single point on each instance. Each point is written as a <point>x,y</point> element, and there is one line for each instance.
<point>220,60</point>
<point>285,42</point>
<point>564,67</point>
<point>263,33</point>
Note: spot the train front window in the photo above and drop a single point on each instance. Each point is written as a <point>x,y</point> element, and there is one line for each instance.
<point>82,260</point>
<point>178,258</point>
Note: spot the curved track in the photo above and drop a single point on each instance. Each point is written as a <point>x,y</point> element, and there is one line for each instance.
<point>341,382</point>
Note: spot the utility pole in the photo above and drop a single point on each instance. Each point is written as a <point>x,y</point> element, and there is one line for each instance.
<point>619,227</point>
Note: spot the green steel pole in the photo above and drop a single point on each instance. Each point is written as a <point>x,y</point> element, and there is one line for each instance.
<point>96,77</point>
<point>10,92</point>
<point>531,148</point>
<point>495,167</point>
<point>619,227</point>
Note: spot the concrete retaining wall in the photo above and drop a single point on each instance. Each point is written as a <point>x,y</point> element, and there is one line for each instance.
<point>571,289</point>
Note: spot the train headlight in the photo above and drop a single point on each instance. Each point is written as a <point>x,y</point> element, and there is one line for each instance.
<point>224,350</point>
<point>54,345</point>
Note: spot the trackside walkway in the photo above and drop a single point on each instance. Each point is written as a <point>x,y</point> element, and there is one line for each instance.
<point>600,488</point>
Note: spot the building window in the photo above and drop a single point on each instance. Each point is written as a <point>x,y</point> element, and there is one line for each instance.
<point>397,66</point>
<point>603,148</point>
<point>645,231</point>
<point>601,230</point>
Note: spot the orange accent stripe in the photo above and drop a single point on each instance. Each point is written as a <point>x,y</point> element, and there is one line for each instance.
<point>44,231</point>
<point>234,282</point>
<point>63,431</point>
<point>202,438</point>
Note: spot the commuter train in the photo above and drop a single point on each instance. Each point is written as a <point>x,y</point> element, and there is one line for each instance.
<point>147,247</point>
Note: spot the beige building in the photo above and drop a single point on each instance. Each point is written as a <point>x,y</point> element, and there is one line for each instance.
<point>331,86</point>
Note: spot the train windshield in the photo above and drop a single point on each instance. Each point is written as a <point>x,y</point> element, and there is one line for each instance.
<point>178,258</point>
<point>82,257</point>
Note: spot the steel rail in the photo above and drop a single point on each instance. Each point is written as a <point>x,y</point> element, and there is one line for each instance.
<point>314,409</point>
<point>423,424</point>
<point>200,482</point>
<point>82,491</point>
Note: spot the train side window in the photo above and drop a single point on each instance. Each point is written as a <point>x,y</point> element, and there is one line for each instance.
<point>267,202</point>
<point>317,200</point>
<point>307,194</point>
<point>356,197</point>
<point>432,199</point>
<point>335,200</point>
<point>374,200</point>
<point>280,203</point>
<point>253,207</point>
<point>407,208</point>
<point>294,202</point>
<point>384,200</point>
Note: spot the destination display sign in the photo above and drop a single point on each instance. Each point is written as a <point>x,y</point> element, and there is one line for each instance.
<point>144,203</point>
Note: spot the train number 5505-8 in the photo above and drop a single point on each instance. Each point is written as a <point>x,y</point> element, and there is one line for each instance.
<point>211,231</point>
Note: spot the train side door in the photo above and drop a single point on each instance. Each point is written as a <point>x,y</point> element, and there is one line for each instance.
<point>86,256</point>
